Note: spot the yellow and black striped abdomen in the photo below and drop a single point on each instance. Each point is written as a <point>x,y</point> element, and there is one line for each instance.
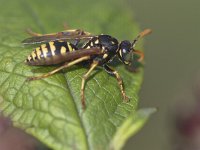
<point>50,53</point>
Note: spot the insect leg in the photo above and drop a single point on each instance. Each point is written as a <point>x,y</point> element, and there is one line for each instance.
<point>141,54</point>
<point>113,72</point>
<point>30,32</point>
<point>84,78</point>
<point>66,65</point>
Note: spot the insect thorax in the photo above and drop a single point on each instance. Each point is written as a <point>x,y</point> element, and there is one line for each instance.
<point>106,43</point>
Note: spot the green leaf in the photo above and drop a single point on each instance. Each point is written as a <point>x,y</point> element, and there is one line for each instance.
<point>50,108</point>
<point>130,127</point>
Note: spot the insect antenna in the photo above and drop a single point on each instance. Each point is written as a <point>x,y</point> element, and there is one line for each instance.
<point>141,35</point>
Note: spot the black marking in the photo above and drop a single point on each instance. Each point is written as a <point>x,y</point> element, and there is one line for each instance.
<point>67,48</point>
<point>57,51</point>
<point>42,54</point>
<point>59,45</point>
<point>36,51</point>
<point>34,56</point>
<point>49,53</point>
<point>31,58</point>
<point>73,47</point>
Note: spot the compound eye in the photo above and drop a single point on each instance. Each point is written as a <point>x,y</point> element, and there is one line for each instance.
<point>124,51</point>
<point>128,58</point>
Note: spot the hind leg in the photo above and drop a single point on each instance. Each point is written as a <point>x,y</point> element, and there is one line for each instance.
<point>66,65</point>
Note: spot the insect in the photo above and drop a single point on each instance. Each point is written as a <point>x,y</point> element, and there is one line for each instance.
<point>71,47</point>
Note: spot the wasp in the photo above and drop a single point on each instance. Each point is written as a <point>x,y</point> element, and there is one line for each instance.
<point>71,47</point>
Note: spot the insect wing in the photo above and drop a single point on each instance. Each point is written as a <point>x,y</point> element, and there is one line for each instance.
<point>68,35</point>
<point>63,57</point>
<point>82,52</point>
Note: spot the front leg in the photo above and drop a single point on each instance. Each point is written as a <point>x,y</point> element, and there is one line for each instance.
<point>113,72</point>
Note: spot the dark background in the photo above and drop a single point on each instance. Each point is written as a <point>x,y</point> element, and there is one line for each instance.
<point>172,66</point>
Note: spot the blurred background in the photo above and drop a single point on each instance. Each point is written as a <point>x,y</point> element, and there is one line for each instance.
<point>172,73</point>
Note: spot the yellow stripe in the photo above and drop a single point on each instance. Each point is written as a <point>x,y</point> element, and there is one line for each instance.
<point>120,53</point>
<point>63,50</point>
<point>126,62</point>
<point>33,55</point>
<point>29,58</point>
<point>105,55</point>
<point>44,50</point>
<point>52,47</point>
<point>69,47</point>
<point>38,52</point>
<point>97,41</point>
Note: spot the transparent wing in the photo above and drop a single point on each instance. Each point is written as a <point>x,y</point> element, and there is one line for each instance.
<point>65,57</point>
<point>67,35</point>
<point>82,52</point>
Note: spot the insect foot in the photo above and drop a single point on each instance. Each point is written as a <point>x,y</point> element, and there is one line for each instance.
<point>126,98</point>
<point>31,78</point>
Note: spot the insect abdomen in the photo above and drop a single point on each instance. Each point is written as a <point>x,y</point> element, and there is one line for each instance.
<point>50,53</point>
